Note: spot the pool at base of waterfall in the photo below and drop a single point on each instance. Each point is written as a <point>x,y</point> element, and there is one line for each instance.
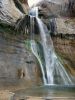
<point>48,92</point>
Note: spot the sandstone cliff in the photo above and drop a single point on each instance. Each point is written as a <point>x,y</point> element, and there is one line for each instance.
<point>12,10</point>
<point>18,66</point>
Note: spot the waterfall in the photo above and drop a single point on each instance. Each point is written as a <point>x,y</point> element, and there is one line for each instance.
<point>48,51</point>
<point>54,72</point>
<point>33,42</point>
<point>54,69</point>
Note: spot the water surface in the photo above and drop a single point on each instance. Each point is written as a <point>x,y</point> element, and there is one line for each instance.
<point>53,91</point>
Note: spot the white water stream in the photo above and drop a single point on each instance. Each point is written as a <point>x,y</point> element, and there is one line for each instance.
<point>54,72</point>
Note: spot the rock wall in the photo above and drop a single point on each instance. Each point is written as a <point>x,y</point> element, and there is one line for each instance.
<point>52,8</point>
<point>65,49</point>
<point>18,66</point>
<point>65,25</point>
<point>12,10</point>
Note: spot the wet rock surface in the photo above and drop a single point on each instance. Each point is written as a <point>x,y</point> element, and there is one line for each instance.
<point>65,49</point>
<point>60,25</point>
<point>18,66</point>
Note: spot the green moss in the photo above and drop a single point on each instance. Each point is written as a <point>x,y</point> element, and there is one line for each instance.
<point>27,44</point>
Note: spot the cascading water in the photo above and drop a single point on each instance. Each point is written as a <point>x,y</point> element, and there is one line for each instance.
<point>33,42</point>
<point>54,69</point>
<point>54,72</point>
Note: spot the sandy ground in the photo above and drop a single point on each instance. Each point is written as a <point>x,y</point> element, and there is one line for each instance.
<point>6,95</point>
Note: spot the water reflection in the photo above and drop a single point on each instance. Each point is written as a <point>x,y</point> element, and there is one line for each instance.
<point>53,91</point>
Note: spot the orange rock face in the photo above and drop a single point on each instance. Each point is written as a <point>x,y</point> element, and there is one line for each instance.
<point>65,48</point>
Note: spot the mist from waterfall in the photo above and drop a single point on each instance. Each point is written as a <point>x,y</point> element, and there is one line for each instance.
<point>53,72</point>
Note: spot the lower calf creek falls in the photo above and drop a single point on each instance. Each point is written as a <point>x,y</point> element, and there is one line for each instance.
<point>37,49</point>
<point>53,72</point>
